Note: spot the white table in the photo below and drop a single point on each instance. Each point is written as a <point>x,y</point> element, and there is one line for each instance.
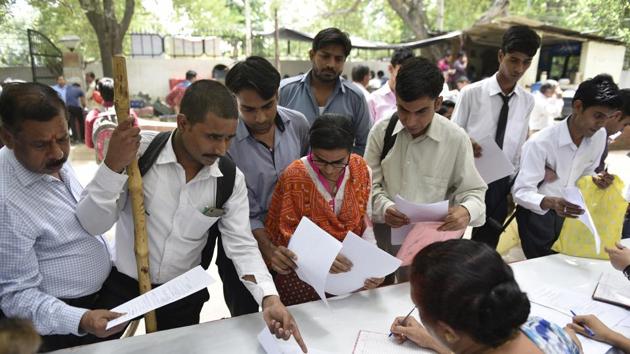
<point>335,329</point>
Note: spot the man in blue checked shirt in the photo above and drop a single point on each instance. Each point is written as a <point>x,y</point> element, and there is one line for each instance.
<point>51,269</point>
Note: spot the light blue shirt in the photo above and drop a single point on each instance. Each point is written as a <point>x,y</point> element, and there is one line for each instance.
<point>61,91</point>
<point>263,166</point>
<point>45,254</point>
<point>346,99</point>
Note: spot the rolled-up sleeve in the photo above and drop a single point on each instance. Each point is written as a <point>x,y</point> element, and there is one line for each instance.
<point>241,246</point>
<point>20,280</point>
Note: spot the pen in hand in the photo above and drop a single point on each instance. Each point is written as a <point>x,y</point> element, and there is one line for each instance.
<point>586,328</point>
<point>404,320</point>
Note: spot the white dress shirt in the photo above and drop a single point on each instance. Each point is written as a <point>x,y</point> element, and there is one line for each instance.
<point>176,226</point>
<point>478,113</point>
<point>553,148</point>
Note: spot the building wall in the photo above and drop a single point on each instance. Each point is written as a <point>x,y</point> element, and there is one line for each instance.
<point>598,58</point>
<point>19,73</point>
<point>624,81</point>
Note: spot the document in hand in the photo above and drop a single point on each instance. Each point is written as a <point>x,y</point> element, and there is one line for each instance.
<point>368,261</point>
<point>493,164</point>
<point>178,288</point>
<point>422,235</point>
<point>316,251</point>
<point>417,212</point>
<point>614,288</point>
<point>273,345</point>
<point>573,195</point>
<point>378,343</point>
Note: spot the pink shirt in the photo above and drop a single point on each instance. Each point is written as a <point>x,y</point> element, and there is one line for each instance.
<point>382,103</point>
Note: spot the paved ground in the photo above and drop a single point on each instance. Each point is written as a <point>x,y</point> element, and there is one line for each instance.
<point>83,162</point>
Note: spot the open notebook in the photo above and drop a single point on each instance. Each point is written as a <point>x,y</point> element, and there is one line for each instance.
<point>613,288</point>
<point>380,343</point>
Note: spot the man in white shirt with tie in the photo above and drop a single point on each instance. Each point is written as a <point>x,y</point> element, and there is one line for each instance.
<point>499,108</point>
<point>571,149</point>
<point>180,191</point>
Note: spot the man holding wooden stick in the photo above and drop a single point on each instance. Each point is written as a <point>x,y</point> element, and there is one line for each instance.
<point>181,189</point>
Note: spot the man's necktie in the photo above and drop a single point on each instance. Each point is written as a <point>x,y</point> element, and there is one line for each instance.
<point>503,116</point>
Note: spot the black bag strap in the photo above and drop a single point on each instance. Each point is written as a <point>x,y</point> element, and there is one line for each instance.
<point>152,152</point>
<point>390,139</point>
<point>225,184</point>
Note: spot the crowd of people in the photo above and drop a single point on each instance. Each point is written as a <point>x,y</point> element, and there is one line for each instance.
<point>252,157</point>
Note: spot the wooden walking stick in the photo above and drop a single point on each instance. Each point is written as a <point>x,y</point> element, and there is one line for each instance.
<point>121,102</point>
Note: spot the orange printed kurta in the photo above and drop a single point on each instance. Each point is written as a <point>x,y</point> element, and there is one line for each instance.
<point>296,195</point>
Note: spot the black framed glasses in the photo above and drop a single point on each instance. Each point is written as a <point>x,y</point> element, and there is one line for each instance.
<point>334,164</point>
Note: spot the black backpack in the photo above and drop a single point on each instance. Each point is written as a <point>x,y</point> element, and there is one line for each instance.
<point>225,185</point>
<point>390,139</point>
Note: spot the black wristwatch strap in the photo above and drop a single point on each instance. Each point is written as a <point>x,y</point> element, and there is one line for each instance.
<point>626,272</point>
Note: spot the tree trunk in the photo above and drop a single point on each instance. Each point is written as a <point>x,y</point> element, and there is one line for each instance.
<point>109,32</point>
<point>499,8</point>
<point>413,15</point>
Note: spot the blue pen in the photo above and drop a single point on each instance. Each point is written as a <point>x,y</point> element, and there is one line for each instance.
<point>404,319</point>
<point>586,328</point>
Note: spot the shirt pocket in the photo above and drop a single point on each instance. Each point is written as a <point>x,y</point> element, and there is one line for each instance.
<point>194,224</point>
<point>434,189</point>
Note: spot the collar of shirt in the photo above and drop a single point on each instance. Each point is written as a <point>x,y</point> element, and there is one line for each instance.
<point>386,92</point>
<point>242,132</point>
<point>435,130</point>
<point>564,136</point>
<point>493,88</point>
<point>27,177</point>
<point>306,80</point>
<point>167,156</point>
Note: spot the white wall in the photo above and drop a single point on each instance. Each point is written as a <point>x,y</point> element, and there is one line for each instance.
<point>598,58</point>
<point>20,73</point>
<point>624,81</point>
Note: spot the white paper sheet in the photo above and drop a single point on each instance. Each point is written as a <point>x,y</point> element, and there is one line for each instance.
<point>178,288</point>
<point>316,251</point>
<point>416,213</point>
<point>493,164</point>
<point>380,343</point>
<point>573,195</point>
<point>613,287</point>
<point>368,261</point>
<point>273,345</point>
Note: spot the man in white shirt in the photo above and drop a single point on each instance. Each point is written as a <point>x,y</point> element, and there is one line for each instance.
<point>423,157</point>
<point>180,194</point>
<point>547,106</point>
<point>499,108</point>
<point>382,102</point>
<point>571,149</point>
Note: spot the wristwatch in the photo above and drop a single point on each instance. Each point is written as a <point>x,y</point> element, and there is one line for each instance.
<point>626,272</point>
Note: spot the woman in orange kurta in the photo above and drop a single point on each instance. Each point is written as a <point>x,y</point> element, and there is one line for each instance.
<point>332,187</point>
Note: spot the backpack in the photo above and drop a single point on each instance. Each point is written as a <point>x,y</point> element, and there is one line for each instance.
<point>225,185</point>
<point>390,139</point>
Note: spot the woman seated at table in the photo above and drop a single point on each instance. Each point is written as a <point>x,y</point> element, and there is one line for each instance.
<point>468,300</point>
<point>332,187</point>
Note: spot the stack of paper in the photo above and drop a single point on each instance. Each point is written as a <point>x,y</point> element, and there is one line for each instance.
<point>178,288</point>
<point>493,164</point>
<point>417,213</point>
<point>316,251</point>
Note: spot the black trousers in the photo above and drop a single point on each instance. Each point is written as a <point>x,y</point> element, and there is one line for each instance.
<point>120,288</point>
<point>496,212</point>
<point>538,232</point>
<point>237,298</point>
<point>77,123</point>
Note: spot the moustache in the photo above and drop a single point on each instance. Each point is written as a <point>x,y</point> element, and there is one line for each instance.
<point>56,163</point>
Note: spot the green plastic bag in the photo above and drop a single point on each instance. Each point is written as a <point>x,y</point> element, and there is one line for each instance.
<point>607,208</point>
